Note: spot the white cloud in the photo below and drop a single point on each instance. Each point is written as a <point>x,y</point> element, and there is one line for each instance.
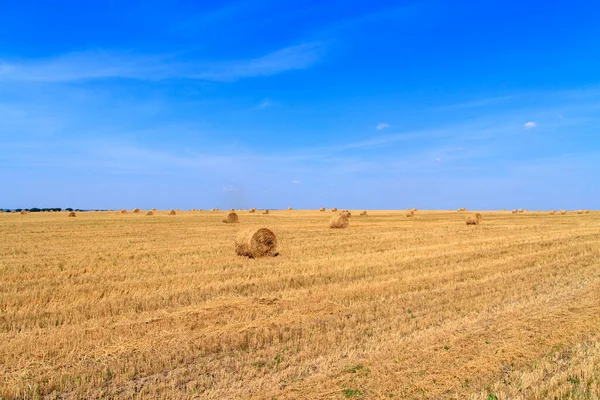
<point>438,159</point>
<point>294,182</point>
<point>529,125</point>
<point>266,103</point>
<point>382,125</point>
<point>88,65</point>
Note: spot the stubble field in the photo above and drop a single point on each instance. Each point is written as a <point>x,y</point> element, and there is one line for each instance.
<point>135,306</point>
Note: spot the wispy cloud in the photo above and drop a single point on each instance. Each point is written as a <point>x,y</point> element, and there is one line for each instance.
<point>105,64</point>
<point>295,182</point>
<point>382,125</point>
<point>529,125</point>
<point>266,103</point>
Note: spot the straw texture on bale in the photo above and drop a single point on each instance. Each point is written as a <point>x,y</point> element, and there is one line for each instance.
<point>255,243</point>
<point>266,212</point>
<point>347,213</point>
<point>149,213</point>
<point>136,210</point>
<point>340,221</point>
<point>231,218</point>
<point>172,212</point>
<point>71,214</point>
<point>473,219</point>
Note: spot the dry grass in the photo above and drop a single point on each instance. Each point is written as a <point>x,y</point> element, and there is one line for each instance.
<point>102,306</point>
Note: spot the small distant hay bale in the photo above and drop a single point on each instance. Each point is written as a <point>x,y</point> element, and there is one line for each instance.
<point>410,213</point>
<point>334,209</point>
<point>149,213</point>
<point>231,218</point>
<point>414,209</point>
<point>563,212</point>
<point>340,221</point>
<point>193,209</point>
<point>23,212</point>
<point>232,209</point>
<point>252,210</point>
<point>256,243</point>
<point>266,212</point>
<point>347,213</point>
<point>579,211</point>
<point>136,210</point>
<point>473,219</point>
<point>172,212</point>
<point>71,214</point>
<point>587,211</point>
<point>123,211</point>
<point>462,209</point>
<point>289,208</point>
<point>364,213</point>
<point>154,209</point>
<point>322,209</point>
<point>520,210</point>
<point>552,212</point>
<point>514,211</point>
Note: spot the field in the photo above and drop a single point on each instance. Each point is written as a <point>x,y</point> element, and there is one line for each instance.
<point>135,306</point>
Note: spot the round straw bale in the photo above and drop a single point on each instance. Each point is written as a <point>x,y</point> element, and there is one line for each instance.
<point>473,219</point>
<point>266,212</point>
<point>334,209</point>
<point>322,209</point>
<point>123,211</point>
<point>289,208</point>
<point>136,210</point>
<point>520,210</point>
<point>579,211</point>
<point>252,210</point>
<point>363,213</point>
<point>154,209</point>
<point>347,213</point>
<point>563,212</point>
<point>232,209</point>
<point>23,212</point>
<point>514,211</point>
<point>340,221</point>
<point>172,212</point>
<point>410,213</point>
<point>149,213</point>
<point>414,209</point>
<point>255,243</point>
<point>231,218</point>
<point>71,214</point>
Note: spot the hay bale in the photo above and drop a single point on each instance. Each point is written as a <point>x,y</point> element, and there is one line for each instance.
<point>340,221</point>
<point>231,218</point>
<point>266,212</point>
<point>347,213</point>
<point>123,211</point>
<point>172,212</point>
<point>520,210</point>
<point>552,212</point>
<point>587,211</point>
<point>334,209</point>
<point>563,212</point>
<point>473,219</point>
<point>514,211</point>
<point>255,243</point>
<point>289,208</point>
<point>252,210</point>
<point>136,210</point>
<point>154,209</point>
<point>462,209</point>
<point>322,209</point>
<point>149,213</point>
<point>364,213</point>
<point>410,213</point>
<point>23,212</point>
<point>579,211</point>
<point>414,209</point>
<point>71,214</point>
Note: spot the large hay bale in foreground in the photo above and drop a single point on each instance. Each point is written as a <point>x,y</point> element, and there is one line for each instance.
<point>266,212</point>
<point>473,219</point>
<point>255,243</point>
<point>136,210</point>
<point>172,212</point>
<point>322,209</point>
<point>340,221</point>
<point>410,213</point>
<point>149,213</point>
<point>231,218</point>
<point>71,214</point>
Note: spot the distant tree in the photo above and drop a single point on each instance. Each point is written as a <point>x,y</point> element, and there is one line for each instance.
<point>68,209</point>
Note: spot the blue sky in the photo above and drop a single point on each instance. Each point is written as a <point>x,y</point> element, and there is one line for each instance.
<point>270,104</point>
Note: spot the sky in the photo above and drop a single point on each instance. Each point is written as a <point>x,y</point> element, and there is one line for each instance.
<point>362,105</point>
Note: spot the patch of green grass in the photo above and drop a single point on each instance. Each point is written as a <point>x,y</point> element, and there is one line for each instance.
<point>348,393</point>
